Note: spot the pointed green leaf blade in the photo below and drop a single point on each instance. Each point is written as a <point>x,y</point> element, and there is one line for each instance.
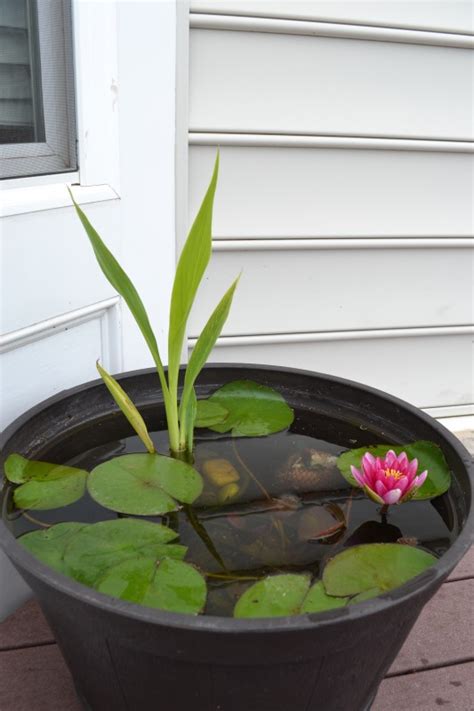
<point>429,456</point>
<point>127,407</point>
<point>123,285</point>
<point>206,343</point>
<point>144,484</point>
<point>189,272</point>
<point>44,486</point>
<point>383,566</point>
<point>254,410</point>
<point>275,596</point>
<point>169,585</point>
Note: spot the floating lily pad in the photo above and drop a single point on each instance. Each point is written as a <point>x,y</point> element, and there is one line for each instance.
<point>381,566</point>
<point>275,596</point>
<point>209,413</point>
<point>49,545</point>
<point>429,457</point>
<point>144,484</point>
<point>254,410</point>
<point>100,546</point>
<point>366,595</point>
<point>44,486</point>
<point>317,600</point>
<point>168,584</point>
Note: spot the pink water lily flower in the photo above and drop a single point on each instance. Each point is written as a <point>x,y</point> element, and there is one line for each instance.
<point>389,480</point>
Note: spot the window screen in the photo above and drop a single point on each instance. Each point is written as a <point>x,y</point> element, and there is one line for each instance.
<point>37,126</point>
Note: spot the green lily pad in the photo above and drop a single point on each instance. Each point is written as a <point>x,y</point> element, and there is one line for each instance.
<point>429,457</point>
<point>381,566</point>
<point>254,410</point>
<point>209,413</point>
<point>44,486</point>
<point>366,595</point>
<point>144,484</point>
<point>168,584</point>
<point>275,596</point>
<point>317,600</point>
<point>49,545</point>
<point>100,546</point>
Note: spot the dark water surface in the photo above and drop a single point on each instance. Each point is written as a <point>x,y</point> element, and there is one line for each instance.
<point>291,509</point>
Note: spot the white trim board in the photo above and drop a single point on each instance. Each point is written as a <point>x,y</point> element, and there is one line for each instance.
<point>17,201</point>
<point>43,329</point>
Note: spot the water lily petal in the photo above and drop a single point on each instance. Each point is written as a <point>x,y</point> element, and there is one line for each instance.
<point>403,483</point>
<point>390,458</point>
<point>393,496</point>
<point>372,495</point>
<point>420,479</point>
<point>380,487</point>
<point>412,467</point>
<point>403,461</point>
<point>358,476</point>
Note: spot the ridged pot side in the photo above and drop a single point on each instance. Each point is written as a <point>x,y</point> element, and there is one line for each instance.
<point>124,656</point>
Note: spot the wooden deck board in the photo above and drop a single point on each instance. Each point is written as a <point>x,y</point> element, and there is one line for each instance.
<point>435,667</point>
<point>444,632</point>
<point>36,679</point>
<point>465,569</point>
<point>25,628</point>
<point>451,688</point>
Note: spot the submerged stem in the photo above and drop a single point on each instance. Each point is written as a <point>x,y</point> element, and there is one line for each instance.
<point>36,521</point>
<point>249,472</point>
<point>203,535</point>
<point>230,576</point>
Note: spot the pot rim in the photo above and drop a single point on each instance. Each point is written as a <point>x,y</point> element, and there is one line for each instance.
<point>401,595</point>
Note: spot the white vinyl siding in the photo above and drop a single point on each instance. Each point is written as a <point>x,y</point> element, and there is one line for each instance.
<point>345,191</point>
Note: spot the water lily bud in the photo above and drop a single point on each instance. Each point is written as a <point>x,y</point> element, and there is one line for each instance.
<point>389,480</point>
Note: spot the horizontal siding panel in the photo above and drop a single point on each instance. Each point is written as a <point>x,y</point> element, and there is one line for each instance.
<point>440,15</point>
<point>320,290</point>
<point>427,371</point>
<point>301,192</point>
<point>327,85</point>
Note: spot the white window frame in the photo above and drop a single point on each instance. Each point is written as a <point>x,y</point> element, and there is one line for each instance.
<point>96,86</point>
<point>57,153</point>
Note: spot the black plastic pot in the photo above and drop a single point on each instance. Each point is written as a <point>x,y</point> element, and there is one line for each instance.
<point>127,657</point>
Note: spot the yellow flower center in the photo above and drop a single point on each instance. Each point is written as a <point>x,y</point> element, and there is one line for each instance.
<point>394,473</point>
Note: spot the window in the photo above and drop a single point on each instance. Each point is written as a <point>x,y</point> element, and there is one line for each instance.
<point>37,112</point>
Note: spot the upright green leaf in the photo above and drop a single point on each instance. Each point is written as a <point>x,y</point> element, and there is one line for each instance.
<point>189,419</point>
<point>121,283</point>
<point>203,347</point>
<point>127,407</point>
<point>44,486</point>
<point>189,272</point>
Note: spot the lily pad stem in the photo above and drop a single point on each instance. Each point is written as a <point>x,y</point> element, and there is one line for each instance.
<point>36,521</point>
<point>249,472</point>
